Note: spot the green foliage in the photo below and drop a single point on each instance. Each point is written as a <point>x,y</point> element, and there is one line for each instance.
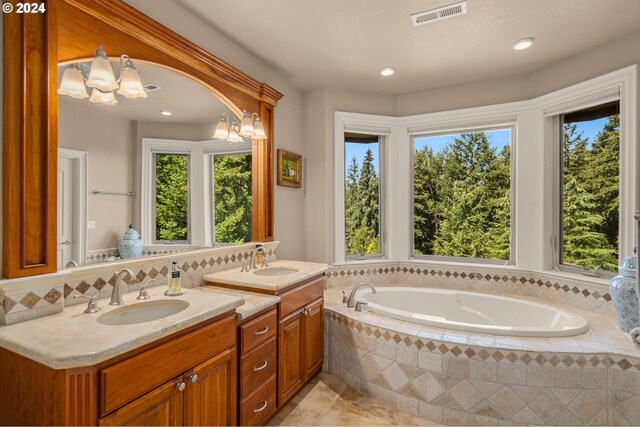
<point>590,197</point>
<point>462,199</point>
<point>232,196</point>
<point>362,207</point>
<point>172,193</point>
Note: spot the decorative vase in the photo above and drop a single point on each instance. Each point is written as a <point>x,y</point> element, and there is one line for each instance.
<point>624,295</point>
<point>130,246</point>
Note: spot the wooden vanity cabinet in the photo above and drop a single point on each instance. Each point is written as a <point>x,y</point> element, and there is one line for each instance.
<point>300,337</point>
<point>188,378</point>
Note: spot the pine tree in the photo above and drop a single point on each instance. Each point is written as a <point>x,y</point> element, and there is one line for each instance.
<point>582,245</point>
<point>232,191</point>
<point>369,194</point>
<point>352,205</point>
<point>171,197</point>
<point>426,170</point>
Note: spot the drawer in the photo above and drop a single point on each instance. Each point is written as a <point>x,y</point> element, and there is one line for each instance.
<point>257,367</point>
<point>302,295</point>
<point>256,409</point>
<point>257,331</point>
<point>127,380</point>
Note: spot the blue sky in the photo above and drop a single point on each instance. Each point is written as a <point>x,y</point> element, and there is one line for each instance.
<point>497,139</point>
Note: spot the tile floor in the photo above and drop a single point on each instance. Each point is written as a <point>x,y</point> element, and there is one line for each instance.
<point>327,401</point>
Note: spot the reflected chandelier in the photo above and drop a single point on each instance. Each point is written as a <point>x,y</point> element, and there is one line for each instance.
<point>249,127</point>
<point>102,81</point>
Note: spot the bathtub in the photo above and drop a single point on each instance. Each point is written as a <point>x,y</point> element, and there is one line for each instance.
<point>473,312</point>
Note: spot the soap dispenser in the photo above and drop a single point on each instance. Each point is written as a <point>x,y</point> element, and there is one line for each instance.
<point>174,281</point>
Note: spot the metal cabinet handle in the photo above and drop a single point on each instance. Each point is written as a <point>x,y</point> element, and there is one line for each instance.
<point>262,331</point>
<point>260,367</point>
<point>306,311</point>
<point>262,407</point>
<point>180,386</point>
<point>193,378</point>
<point>66,242</point>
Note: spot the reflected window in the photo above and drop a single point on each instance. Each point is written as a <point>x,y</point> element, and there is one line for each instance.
<point>171,179</point>
<point>231,195</point>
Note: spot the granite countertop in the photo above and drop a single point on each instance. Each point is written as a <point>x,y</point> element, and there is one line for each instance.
<point>253,302</point>
<point>74,339</point>
<point>270,283</point>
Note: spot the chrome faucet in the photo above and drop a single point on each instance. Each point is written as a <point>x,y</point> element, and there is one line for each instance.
<point>352,298</point>
<point>254,252</point>
<point>116,293</point>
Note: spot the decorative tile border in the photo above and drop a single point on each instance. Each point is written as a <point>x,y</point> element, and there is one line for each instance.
<point>496,278</point>
<point>23,303</point>
<point>458,384</point>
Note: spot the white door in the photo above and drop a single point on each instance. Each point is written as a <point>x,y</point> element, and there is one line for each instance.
<point>66,211</point>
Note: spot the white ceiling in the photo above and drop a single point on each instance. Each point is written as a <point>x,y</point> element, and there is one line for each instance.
<point>189,102</point>
<point>344,43</point>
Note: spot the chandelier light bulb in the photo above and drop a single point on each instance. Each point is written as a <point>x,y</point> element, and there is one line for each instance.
<point>130,83</point>
<point>72,83</point>
<point>106,98</point>
<point>101,74</point>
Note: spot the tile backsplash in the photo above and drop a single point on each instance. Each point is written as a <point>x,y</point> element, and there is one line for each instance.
<point>30,298</point>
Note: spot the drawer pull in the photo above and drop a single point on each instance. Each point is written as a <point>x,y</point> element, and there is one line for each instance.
<point>180,386</point>
<point>260,367</point>
<point>262,407</point>
<point>262,331</point>
<point>193,378</point>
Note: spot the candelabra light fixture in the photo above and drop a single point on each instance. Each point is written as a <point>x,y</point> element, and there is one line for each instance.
<point>101,80</point>
<point>249,127</point>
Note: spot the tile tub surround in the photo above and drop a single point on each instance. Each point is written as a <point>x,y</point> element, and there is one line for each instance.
<point>33,297</point>
<point>456,378</point>
<point>590,294</point>
<point>72,338</point>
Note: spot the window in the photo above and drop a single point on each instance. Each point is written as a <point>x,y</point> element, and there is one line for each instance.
<point>199,192</point>
<point>363,215</point>
<point>589,188</point>
<point>171,178</point>
<point>462,195</point>
<point>231,193</point>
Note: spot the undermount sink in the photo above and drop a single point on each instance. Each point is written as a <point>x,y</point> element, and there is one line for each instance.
<point>143,312</point>
<point>275,271</point>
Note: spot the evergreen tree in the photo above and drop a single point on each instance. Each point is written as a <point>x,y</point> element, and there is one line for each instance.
<point>426,170</point>
<point>369,194</point>
<point>352,205</point>
<point>172,194</point>
<point>232,198</point>
<point>583,245</point>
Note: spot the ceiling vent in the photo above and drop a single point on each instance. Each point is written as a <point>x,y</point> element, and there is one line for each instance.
<point>439,13</point>
<point>150,87</point>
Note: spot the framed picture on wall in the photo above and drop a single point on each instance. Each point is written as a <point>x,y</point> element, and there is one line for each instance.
<point>289,169</point>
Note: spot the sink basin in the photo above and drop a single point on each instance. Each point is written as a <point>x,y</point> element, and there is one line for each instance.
<point>142,312</point>
<point>275,271</point>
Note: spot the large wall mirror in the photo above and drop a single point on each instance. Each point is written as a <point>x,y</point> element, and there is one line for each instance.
<point>77,174</point>
<point>152,163</point>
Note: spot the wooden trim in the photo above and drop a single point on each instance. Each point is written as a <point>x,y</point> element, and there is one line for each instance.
<point>33,45</point>
<point>30,143</point>
<point>82,398</point>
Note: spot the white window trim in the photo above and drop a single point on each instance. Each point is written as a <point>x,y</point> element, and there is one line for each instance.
<point>371,125</point>
<point>533,242</point>
<point>622,86</point>
<point>200,204</point>
<point>487,125</point>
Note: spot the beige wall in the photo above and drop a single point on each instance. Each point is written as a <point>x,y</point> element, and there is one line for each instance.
<point>108,140</point>
<point>289,131</point>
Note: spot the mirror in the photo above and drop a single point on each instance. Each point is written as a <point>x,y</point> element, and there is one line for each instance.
<point>150,162</point>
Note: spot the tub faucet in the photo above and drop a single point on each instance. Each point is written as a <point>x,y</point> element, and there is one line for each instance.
<point>254,254</point>
<point>116,293</point>
<point>352,298</point>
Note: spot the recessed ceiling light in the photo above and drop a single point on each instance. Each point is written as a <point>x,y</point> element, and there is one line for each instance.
<point>523,44</point>
<point>166,113</point>
<point>387,71</point>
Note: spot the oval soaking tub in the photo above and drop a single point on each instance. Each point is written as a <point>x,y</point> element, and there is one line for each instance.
<point>473,312</point>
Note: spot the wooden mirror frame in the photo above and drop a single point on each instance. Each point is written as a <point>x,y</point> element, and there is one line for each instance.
<point>33,45</point>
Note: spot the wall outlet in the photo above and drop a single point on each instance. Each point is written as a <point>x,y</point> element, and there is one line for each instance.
<point>91,225</point>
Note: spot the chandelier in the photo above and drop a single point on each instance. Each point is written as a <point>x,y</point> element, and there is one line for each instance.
<point>102,81</point>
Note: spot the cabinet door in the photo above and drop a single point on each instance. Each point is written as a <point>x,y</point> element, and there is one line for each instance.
<point>291,362</point>
<point>211,393</point>
<point>160,407</point>
<point>314,337</point>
